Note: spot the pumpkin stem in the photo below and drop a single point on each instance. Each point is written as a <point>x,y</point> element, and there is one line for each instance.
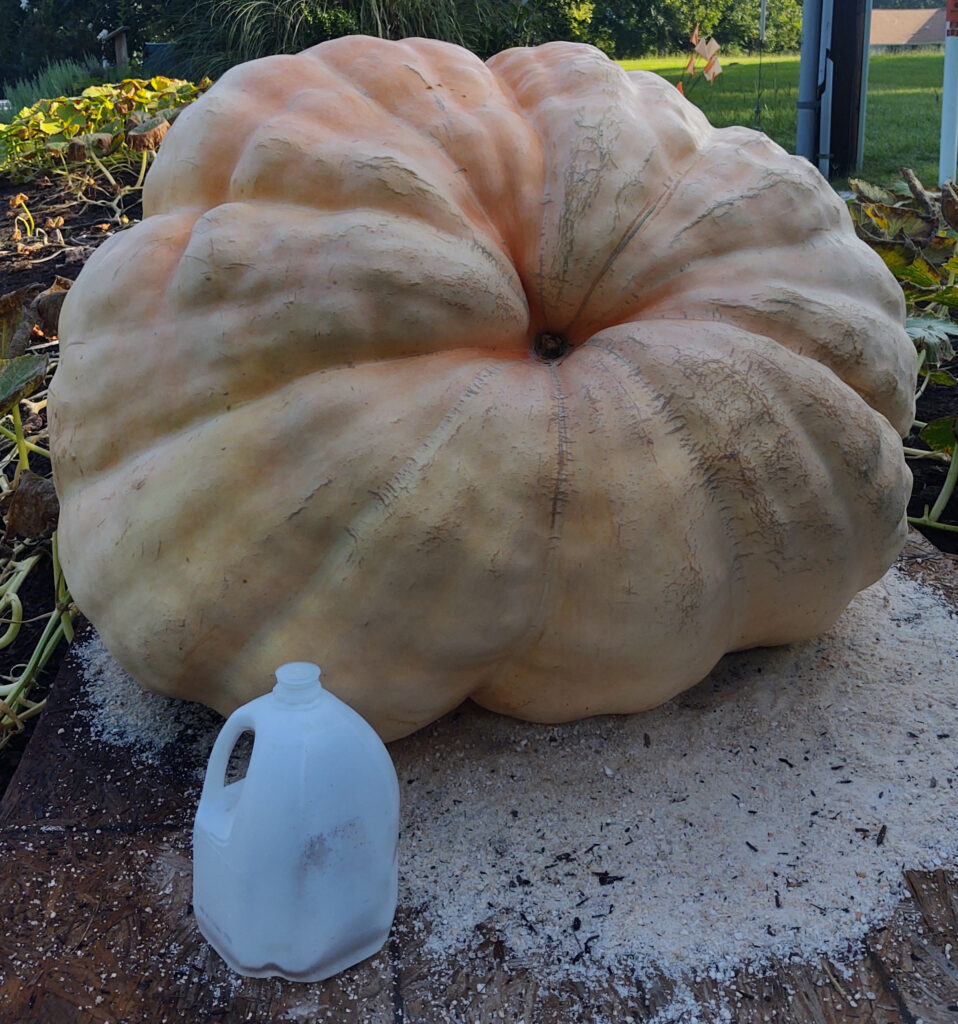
<point>550,346</point>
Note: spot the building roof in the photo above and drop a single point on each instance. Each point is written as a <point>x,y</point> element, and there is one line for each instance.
<point>907,26</point>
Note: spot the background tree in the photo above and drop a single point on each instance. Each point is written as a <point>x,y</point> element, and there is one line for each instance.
<point>637,28</point>
<point>214,34</point>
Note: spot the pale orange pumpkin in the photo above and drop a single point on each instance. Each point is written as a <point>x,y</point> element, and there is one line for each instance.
<point>514,381</point>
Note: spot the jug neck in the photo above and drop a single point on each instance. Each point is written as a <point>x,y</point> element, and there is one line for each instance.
<point>297,682</point>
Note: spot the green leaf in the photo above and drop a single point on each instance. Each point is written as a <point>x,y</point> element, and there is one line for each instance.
<point>936,328</point>
<point>947,297</point>
<point>920,274</point>
<point>20,377</point>
<point>940,435</point>
<point>897,256</point>
<point>950,266</point>
<point>50,127</point>
<point>942,377</point>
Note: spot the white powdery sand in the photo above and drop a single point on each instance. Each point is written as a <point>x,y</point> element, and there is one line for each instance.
<point>765,815</point>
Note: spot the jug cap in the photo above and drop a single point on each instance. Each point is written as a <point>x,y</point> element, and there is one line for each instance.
<point>297,682</point>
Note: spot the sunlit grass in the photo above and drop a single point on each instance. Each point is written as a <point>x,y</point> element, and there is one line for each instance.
<point>903,110</point>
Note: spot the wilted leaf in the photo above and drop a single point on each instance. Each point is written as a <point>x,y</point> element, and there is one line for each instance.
<point>147,135</point>
<point>78,148</point>
<point>33,507</point>
<point>900,221</point>
<point>949,205</point>
<point>48,304</point>
<point>940,252</point>
<point>11,309</point>
<point>897,256</point>
<point>940,435</point>
<point>20,377</point>
<point>942,377</point>
<point>920,274</point>
<point>872,193</point>
<point>947,297</point>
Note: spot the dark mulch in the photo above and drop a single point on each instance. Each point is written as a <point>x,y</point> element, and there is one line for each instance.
<point>59,249</point>
<point>936,403</point>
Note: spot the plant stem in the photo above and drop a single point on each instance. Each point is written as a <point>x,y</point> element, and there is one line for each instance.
<point>924,384</point>
<point>947,489</point>
<point>923,521</point>
<point>102,168</point>
<point>29,445</point>
<point>920,453</point>
<point>24,458</point>
<point>142,174</point>
<point>60,589</point>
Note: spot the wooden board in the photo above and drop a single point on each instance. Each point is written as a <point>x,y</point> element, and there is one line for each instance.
<point>95,882</point>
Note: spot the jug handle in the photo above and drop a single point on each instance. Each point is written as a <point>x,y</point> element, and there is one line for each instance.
<point>239,722</point>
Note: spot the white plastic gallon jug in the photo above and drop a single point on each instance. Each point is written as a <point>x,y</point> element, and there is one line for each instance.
<point>295,866</point>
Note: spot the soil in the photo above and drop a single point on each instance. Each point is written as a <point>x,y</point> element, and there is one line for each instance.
<point>39,260</point>
<point>91,211</point>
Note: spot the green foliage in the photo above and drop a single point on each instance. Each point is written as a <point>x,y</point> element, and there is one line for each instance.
<point>663,26</point>
<point>915,232</point>
<point>57,78</point>
<point>217,34</point>
<point>96,124</point>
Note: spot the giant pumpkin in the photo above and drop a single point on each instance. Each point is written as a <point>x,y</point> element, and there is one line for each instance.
<point>511,380</point>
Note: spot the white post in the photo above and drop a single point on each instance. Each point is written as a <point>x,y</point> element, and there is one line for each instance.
<point>948,151</point>
<point>826,78</point>
<point>806,141</point>
<point>861,112</point>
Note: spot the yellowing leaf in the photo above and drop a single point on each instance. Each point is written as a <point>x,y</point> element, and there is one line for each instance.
<point>939,435</point>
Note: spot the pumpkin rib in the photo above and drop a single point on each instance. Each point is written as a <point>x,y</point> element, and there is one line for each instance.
<point>777,358</point>
<point>640,221</point>
<point>420,49</point>
<point>896,407</point>
<point>385,496</point>
<point>674,423</point>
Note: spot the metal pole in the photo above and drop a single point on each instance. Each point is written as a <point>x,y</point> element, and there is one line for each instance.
<point>806,141</point>
<point>860,156</point>
<point>948,151</point>
<point>826,79</point>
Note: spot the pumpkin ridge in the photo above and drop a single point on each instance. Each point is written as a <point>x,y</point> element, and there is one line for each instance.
<point>899,412</point>
<point>805,450</point>
<point>640,221</point>
<point>673,419</point>
<point>558,499</point>
<point>489,226</point>
<point>386,496</point>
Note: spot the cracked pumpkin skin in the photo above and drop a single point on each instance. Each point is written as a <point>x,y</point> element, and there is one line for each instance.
<point>514,381</point>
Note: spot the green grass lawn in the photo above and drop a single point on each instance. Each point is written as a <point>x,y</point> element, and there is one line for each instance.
<point>903,111</point>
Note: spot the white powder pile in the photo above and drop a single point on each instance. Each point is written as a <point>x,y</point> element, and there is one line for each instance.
<point>765,815</point>
<point>122,714</point>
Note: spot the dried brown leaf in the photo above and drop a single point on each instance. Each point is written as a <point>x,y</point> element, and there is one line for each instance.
<point>33,507</point>
<point>949,205</point>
